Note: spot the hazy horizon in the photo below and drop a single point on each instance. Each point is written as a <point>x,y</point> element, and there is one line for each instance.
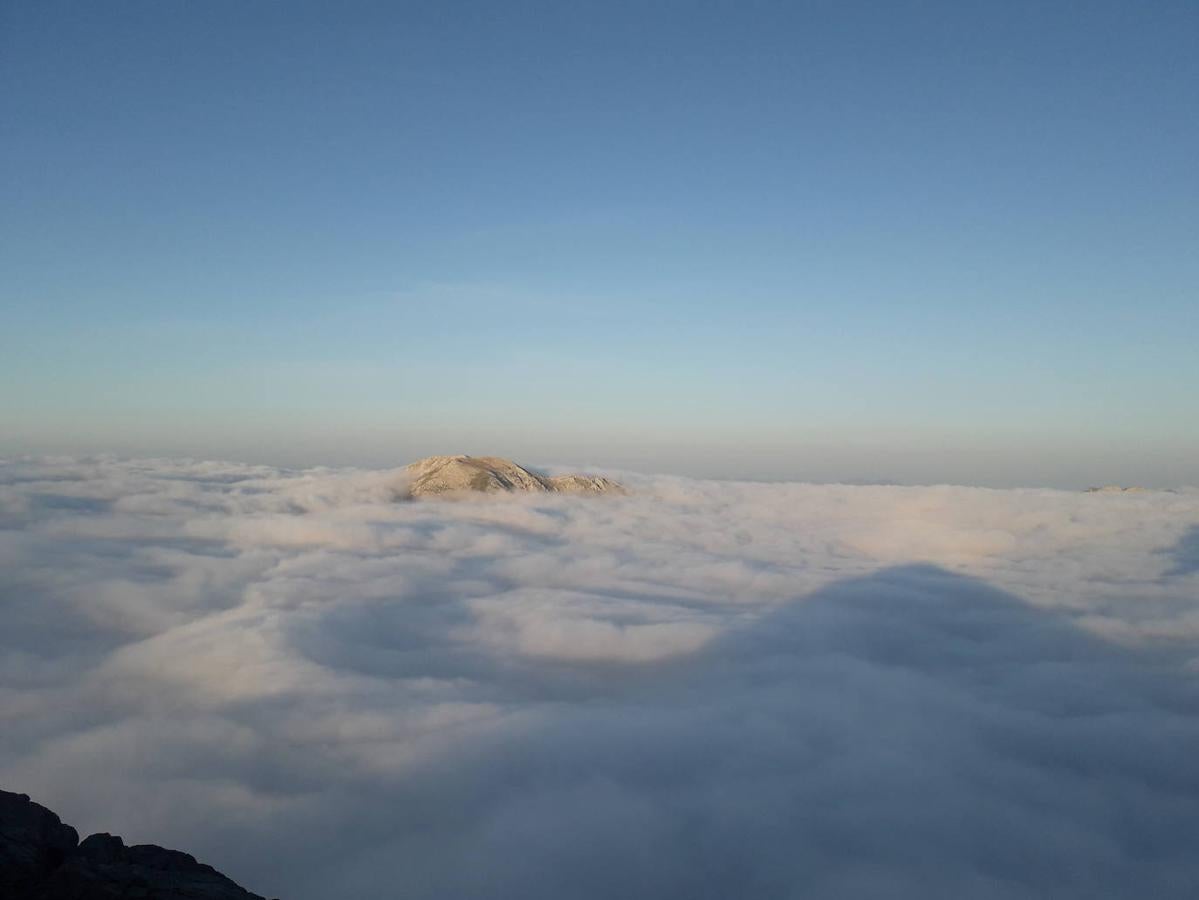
<point>966,465</point>
<point>945,242</point>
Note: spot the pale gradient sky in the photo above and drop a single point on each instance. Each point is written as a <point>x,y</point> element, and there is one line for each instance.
<point>828,241</point>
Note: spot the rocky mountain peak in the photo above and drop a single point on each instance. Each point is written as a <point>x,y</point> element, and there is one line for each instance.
<point>460,475</point>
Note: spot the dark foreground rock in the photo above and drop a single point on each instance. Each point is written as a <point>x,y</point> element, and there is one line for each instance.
<point>43,859</point>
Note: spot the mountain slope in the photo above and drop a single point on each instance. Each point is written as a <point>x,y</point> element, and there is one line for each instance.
<point>456,475</point>
<point>43,859</point>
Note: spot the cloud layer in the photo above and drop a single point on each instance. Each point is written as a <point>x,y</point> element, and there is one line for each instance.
<point>708,689</point>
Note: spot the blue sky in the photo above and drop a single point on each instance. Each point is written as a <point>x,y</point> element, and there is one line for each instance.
<point>910,241</point>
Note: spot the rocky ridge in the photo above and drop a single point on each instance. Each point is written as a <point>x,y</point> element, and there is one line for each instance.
<point>41,858</point>
<point>460,475</point>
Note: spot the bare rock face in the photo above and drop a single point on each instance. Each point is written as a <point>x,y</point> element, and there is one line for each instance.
<point>42,859</point>
<point>33,844</point>
<point>460,475</point>
<point>585,484</point>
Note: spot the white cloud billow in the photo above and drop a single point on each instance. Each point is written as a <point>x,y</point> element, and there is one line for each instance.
<point>706,689</point>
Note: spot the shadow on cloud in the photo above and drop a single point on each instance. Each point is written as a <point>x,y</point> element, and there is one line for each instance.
<point>1184,555</point>
<point>912,733</point>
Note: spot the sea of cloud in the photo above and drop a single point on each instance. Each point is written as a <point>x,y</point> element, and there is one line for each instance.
<point>705,689</point>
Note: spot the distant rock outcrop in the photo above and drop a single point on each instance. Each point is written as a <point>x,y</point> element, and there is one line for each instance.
<point>456,475</point>
<point>43,859</point>
<point>1114,489</point>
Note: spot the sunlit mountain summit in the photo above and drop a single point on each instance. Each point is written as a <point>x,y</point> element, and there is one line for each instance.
<point>436,476</point>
